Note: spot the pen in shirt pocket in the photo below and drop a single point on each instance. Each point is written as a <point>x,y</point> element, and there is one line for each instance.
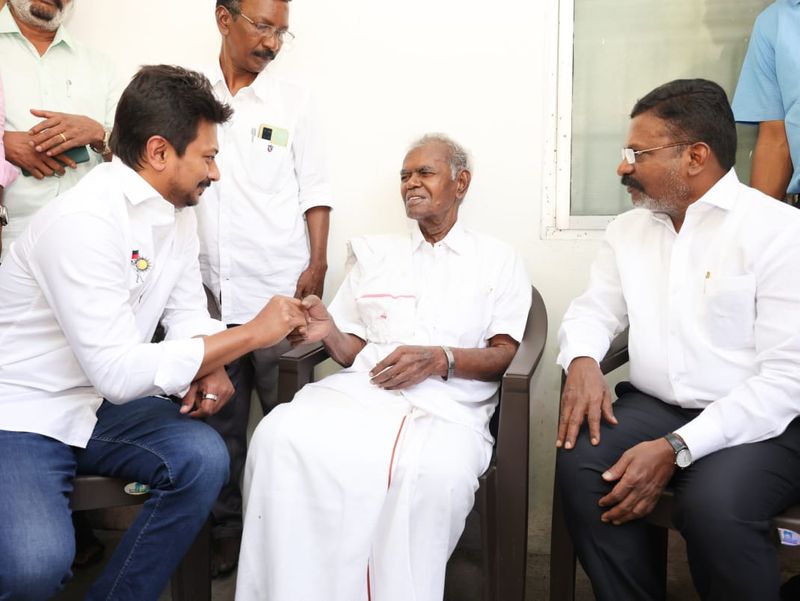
<point>705,280</point>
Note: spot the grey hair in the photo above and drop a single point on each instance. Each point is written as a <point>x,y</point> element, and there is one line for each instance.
<point>459,158</point>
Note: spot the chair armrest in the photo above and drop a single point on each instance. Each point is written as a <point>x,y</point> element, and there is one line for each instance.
<point>296,368</point>
<point>617,354</point>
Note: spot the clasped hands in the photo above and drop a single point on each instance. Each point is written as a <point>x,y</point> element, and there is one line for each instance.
<point>40,150</point>
<point>641,473</point>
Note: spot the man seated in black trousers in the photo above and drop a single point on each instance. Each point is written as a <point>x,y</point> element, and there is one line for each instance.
<point>705,272</point>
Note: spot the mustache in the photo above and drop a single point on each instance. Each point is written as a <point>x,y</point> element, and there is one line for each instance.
<point>204,184</point>
<point>630,182</point>
<point>267,54</point>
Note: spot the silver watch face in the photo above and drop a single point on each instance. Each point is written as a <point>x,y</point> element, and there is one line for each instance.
<point>683,458</point>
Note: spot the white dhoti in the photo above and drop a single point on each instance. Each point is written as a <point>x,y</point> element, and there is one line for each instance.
<point>354,500</point>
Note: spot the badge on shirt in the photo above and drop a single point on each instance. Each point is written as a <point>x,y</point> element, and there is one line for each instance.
<point>140,264</point>
<point>276,136</point>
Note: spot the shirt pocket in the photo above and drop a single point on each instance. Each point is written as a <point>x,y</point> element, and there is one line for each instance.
<point>388,318</point>
<point>271,168</point>
<point>731,311</point>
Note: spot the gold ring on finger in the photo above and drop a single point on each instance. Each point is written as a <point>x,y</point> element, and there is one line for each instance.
<point>63,137</point>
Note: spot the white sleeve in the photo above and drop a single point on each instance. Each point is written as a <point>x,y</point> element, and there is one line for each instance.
<point>594,318</point>
<point>309,161</point>
<point>73,262</point>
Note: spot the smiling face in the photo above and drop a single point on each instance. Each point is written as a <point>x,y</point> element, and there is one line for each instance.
<point>657,181</point>
<point>46,15</point>
<point>193,172</point>
<point>430,194</point>
<point>251,51</point>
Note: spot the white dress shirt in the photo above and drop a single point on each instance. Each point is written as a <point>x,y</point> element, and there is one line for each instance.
<point>459,292</point>
<point>77,313</point>
<point>69,78</point>
<point>253,241</point>
<point>714,312</point>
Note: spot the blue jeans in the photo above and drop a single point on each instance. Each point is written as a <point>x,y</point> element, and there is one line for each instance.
<point>184,461</point>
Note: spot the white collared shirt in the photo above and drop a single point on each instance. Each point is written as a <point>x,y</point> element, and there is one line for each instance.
<point>459,292</point>
<point>69,78</point>
<point>77,311</point>
<point>714,312</point>
<point>253,241</point>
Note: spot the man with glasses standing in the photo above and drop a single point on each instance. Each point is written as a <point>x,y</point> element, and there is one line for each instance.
<point>704,274</point>
<point>264,226</point>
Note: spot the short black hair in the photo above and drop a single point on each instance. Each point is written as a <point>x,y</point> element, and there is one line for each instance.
<point>235,6</point>
<point>696,110</point>
<point>167,101</point>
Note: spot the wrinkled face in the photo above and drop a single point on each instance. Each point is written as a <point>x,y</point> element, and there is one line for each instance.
<point>429,192</point>
<point>41,14</point>
<point>657,181</point>
<point>193,172</point>
<point>250,50</point>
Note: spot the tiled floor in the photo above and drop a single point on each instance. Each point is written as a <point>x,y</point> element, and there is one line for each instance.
<point>464,574</point>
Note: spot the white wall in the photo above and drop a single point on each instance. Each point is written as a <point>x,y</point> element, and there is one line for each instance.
<point>385,72</point>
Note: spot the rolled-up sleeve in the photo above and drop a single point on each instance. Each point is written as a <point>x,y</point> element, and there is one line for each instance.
<point>72,261</point>
<point>8,173</point>
<point>309,161</point>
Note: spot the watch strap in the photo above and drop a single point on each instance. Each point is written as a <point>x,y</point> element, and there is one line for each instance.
<point>451,362</point>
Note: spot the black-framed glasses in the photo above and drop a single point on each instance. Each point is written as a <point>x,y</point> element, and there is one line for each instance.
<point>629,154</point>
<point>269,31</point>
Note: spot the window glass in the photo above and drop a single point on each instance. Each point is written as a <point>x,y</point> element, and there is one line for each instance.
<point>625,48</point>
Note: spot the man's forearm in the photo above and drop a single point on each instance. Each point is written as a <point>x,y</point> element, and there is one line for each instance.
<point>341,346</point>
<point>486,364</point>
<point>318,223</point>
<point>772,163</point>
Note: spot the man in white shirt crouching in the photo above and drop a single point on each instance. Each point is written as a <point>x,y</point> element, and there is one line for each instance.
<point>704,272</point>
<point>82,389</point>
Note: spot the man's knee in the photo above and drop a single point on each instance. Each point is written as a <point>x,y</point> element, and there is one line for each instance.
<point>35,572</point>
<point>203,460</point>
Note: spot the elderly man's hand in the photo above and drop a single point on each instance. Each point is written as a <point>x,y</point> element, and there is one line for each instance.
<point>22,154</point>
<point>643,471</point>
<point>319,322</point>
<point>409,365</point>
<point>586,394</point>
<point>61,131</point>
<point>208,394</point>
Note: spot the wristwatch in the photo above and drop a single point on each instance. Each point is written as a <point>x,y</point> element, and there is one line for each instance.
<point>683,456</point>
<point>3,215</point>
<point>102,147</point>
<point>451,362</point>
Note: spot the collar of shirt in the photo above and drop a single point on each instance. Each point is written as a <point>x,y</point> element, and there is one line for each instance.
<point>138,192</point>
<point>455,240</point>
<point>9,25</point>
<point>259,87</point>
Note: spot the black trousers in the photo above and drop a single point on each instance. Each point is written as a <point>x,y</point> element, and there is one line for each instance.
<point>257,371</point>
<point>723,506</point>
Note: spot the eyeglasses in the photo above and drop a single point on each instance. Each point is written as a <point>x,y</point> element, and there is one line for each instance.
<point>270,31</point>
<point>629,154</point>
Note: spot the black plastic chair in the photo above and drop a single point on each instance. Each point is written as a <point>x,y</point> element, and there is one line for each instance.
<point>192,580</point>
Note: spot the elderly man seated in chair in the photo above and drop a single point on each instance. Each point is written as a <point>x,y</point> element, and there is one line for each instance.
<point>360,487</point>
<point>705,272</point>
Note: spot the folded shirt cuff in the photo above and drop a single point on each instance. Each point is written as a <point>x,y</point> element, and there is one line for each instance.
<point>703,436</point>
<point>191,328</point>
<point>180,362</point>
